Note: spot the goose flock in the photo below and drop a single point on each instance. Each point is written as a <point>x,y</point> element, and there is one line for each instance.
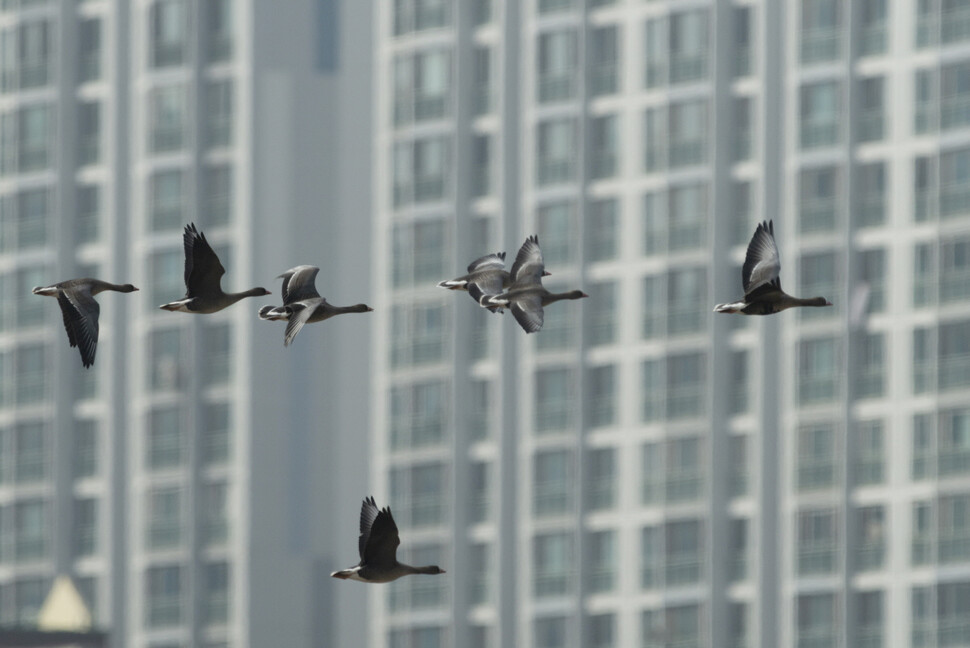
<point>487,282</point>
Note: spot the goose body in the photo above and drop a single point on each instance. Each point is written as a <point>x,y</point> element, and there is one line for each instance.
<point>80,310</point>
<point>526,297</point>
<point>486,276</point>
<point>377,544</point>
<point>302,304</point>
<point>203,278</point>
<point>759,277</point>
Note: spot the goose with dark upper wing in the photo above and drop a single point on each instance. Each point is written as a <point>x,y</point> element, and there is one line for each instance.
<point>302,304</point>
<point>526,296</point>
<point>377,545</point>
<point>203,278</point>
<point>486,276</point>
<point>759,277</point>
<point>81,311</point>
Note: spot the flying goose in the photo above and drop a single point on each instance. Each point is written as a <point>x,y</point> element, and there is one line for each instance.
<point>302,303</point>
<point>526,296</point>
<point>80,310</point>
<point>203,278</point>
<point>487,274</point>
<point>759,277</point>
<point>377,545</point>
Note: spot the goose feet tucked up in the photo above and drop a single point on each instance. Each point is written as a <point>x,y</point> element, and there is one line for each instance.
<point>759,277</point>
<point>377,545</point>
<point>203,278</point>
<point>302,304</point>
<point>525,296</point>
<point>80,311</point>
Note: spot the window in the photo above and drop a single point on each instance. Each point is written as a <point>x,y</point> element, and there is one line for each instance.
<point>164,347</point>
<point>869,616</point>
<point>601,479</point>
<point>819,274</point>
<point>738,566</point>
<point>686,385</point>
<point>742,211</point>
<point>88,213</point>
<point>922,543</point>
<point>953,370</point>
<point>604,55</point>
<point>652,473</point>
<point>419,15</point>
<point>215,603</point>
<point>557,228</point>
<point>871,381</point>
<point>24,219</point>
<point>555,155</point>
<point>817,542</point>
<point>33,374</point>
<point>164,438</point>
<point>743,118</point>
<point>604,149</point>
<point>685,550</point>
<point>871,550</point>
<point>687,216</point>
<point>217,341</point>
<point>602,631</point>
<point>655,52</point>
<point>168,33</point>
<point>602,217</point>
<point>553,483</point>
<point>816,457</point>
<point>925,108</point>
<point>168,119</point>
<point>687,301</point>
<point>28,595</point>
<point>419,336</point>
<point>872,17</point>
<point>164,518</point>
<point>550,6</point>
<point>556,66</point>
<point>481,171</point>
<point>550,632</point>
<point>871,126</point>
<point>821,30</point>
<point>601,405</point>
<point>685,469</point>
<point>955,21</point>
<point>27,55</point>
<point>954,528</point>
<point>955,95</point>
<point>215,512</point>
<point>217,196</point>
<point>482,81</point>
<point>479,414</point>
<point>870,453</point>
<point>743,40</point>
<point>26,139</point>
<point>422,86</point>
<point>602,561</point>
<point>689,40</point>
<point>954,183</point>
<point>480,570</point>
<point>418,415</point>
<point>163,594</point>
<point>553,563</point>
<point>479,490</point>
<point>655,138</point>
<point>688,133</point>
<point>168,197</point>
<point>739,472</point>
<point>817,624</point>
<point>85,449</point>
<point>820,114</point>
<point>871,209</point>
<point>602,317</point>
<point>215,433</point>
<point>554,399</point>
<point>421,170</point>
<point>675,626</point>
<point>740,383</point>
<point>89,132</point>
<point>219,112</point>
<point>954,442</point>
<point>31,522</point>
<point>419,251</point>
<point>219,28</point>
<point>89,49</point>
<point>418,494</point>
<point>420,593</point>
<point>955,270</point>
<point>32,455</point>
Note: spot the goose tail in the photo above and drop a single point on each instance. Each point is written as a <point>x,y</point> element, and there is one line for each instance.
<point>453,284</point>
<point>729,308</point>
<point>274,313</point>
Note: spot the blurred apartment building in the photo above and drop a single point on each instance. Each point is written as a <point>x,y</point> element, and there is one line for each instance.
<point>187,481</point>
<point>642,473</point>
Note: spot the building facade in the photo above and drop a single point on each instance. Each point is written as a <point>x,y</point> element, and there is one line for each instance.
<point>641,472</point>
<point>185,482</point>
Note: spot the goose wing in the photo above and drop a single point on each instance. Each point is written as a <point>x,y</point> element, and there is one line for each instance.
<point>300,315</point>
<point>203,271</point>
<point>528,266</point>
<point>486,283</point>
<point>80,312</point>
<point>528,312</point>
<point>298,284</point>
<point>382,541</point>
<point>761,263</point>
<point>368,513</point>
<point>488,262</point>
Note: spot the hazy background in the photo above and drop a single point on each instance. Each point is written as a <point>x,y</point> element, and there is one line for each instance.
<point>640,473</point>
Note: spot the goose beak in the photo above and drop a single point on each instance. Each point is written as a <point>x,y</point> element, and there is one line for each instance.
<point>546,273</point>
<point>584,295</point>
<point>370,310</point>
<point>828,303</point>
